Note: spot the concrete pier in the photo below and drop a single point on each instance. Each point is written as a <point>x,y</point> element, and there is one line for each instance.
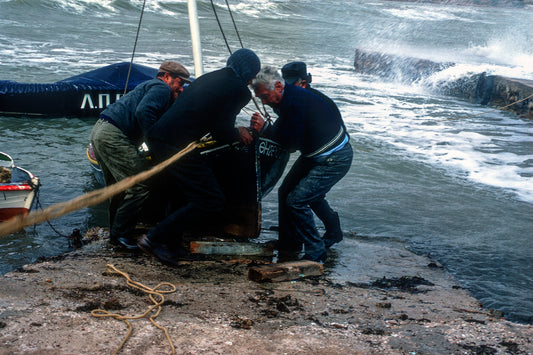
<point>492,90</point>
<point>399,303</point>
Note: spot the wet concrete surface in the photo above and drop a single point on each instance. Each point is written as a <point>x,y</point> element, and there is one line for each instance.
<point>395,302</point>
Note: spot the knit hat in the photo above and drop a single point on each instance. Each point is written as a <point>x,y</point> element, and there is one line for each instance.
<point>294,71</point>
<point>175,69</point>
<point>245,63</point>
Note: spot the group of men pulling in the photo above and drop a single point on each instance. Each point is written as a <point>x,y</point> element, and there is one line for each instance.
<point>167,117</point>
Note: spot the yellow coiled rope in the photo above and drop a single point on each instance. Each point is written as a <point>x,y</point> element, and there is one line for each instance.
<point>157,298</point>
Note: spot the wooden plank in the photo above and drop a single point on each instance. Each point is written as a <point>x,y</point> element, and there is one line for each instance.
<point>285,271</point>
<point>230,248</point>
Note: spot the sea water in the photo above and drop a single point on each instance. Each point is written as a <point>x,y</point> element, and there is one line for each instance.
<point>440,174</point>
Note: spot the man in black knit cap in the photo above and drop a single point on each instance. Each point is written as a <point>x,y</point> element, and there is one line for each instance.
<point>209,105</point>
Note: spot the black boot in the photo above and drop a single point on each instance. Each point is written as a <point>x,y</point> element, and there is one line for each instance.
<point>164,252</point>
<point>333,230</point>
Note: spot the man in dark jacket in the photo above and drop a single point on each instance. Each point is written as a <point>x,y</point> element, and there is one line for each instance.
<point>209,105</point>
<point>308,124</point>
<point>295,73</point>
<point>117,136</point>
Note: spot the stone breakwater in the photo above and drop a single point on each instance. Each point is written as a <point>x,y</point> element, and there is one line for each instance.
<point>512,94</point>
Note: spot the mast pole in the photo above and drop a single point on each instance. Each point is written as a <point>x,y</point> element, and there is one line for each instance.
<point>195,38</point>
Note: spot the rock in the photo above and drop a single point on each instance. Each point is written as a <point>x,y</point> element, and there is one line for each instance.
<point>511,94</point>
<point>285,271</point>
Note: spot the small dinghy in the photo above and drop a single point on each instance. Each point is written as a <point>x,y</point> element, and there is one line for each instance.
<point>18,188</point>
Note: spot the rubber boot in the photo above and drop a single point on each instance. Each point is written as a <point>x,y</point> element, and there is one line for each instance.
<point>333,230</point>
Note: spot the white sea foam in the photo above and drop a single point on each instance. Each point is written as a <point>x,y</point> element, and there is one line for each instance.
<point>428,14</point>
<point>79,6</point>
<point>507,51</point>
<point>481,149</point>
<point>258,8</point>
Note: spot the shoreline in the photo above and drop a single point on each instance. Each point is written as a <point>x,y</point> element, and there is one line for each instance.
<point>404,303</point>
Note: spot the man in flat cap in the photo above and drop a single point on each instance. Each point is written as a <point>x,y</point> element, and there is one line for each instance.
<point>117,136</point>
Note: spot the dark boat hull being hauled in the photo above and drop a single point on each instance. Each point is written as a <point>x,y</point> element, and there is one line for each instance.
<point>245,174</point>
<point>84,95</point>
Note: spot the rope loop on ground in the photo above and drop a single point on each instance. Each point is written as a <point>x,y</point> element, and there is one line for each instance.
<point>156,295</point>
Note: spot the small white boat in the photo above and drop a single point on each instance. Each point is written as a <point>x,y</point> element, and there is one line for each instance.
<point>18,188</point>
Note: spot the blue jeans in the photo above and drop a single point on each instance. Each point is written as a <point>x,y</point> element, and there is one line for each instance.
<point>305,185</point>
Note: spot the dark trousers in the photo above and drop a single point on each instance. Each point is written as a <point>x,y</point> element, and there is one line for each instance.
<point>306,185</point>
<point>118,158</point>
<point>194,194</point>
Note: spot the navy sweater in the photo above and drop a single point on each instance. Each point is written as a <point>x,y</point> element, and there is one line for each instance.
<point>139,109</point>
<point>210,104</point>
<point>306,123</point>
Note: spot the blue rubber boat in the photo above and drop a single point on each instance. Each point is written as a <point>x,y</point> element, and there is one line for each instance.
<point>84,95</point>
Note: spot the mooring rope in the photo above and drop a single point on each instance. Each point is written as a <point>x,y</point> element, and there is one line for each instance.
<point>134,48</point>
<point>234,24</point>
<point>152,293</point>
<point>500,108</point>
<point>220,27</point>
<point>38,205</point>
<point>262,113</point>
<point>91,198</point>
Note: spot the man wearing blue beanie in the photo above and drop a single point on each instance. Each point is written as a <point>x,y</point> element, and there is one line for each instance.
<point>210,104</point>
<point>245,64</point>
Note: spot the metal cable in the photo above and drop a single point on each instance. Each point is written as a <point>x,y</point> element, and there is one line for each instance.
<point>265,113</point>
<point>234,24</point>
<point>134,48</point>
<point>220,27</point>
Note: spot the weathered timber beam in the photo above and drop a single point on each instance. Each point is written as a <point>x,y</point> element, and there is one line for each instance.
<point>285,271</point>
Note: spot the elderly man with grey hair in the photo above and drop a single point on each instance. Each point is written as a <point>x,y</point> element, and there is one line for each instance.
<point>306,123</point>
<point>295,73</point>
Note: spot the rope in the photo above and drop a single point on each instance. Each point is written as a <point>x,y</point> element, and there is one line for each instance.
<point>134,47</point>
<point>91,198</point>
<point>220,27</point>
<point>153,293</point>
<point>38,204</point>
<point>265,112</point>
<point>234,24</point>
<point>496,109</point>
